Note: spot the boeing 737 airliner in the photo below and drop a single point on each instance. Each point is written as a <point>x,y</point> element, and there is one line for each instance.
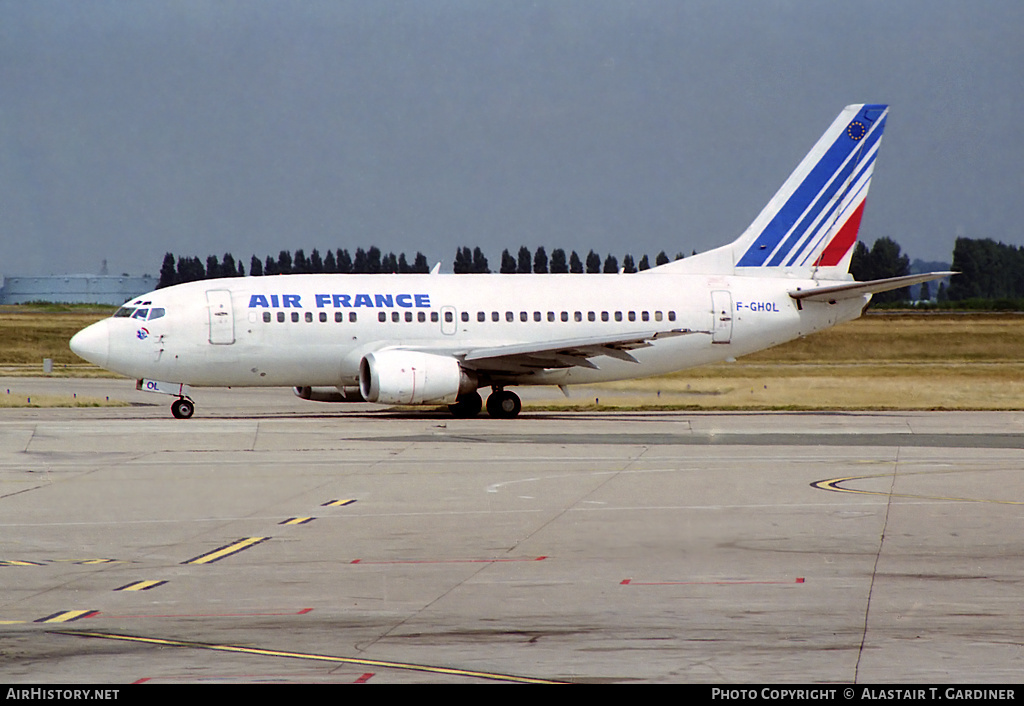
<point>430,339</point>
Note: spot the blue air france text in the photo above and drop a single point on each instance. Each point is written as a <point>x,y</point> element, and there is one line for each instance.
<point>341,301</point>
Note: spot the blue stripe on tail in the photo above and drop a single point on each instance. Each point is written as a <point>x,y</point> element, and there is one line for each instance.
<point>820,179</point>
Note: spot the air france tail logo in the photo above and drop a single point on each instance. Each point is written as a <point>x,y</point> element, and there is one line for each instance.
<point>814,218</point>
<point>341,301</point>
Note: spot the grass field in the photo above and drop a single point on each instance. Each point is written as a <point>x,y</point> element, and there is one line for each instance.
<point>881,361</point>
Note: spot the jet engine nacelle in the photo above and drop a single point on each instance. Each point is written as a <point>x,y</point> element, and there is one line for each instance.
<point>329,394</point>
<point>411,377</point>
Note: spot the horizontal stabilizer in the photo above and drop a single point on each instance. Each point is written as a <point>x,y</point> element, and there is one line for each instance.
<point>851,290</point>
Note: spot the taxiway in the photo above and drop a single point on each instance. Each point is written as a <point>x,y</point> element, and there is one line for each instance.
<point>272,539</point>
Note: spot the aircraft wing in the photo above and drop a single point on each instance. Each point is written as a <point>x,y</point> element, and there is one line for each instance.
<point>567,353</point>
<point>851,290</point>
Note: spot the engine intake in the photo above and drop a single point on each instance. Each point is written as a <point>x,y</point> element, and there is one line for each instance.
<point>411,377</point>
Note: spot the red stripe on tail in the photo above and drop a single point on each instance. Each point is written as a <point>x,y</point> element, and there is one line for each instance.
<point>843,240</point>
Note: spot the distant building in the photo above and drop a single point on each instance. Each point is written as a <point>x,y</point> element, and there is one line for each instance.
<point>75,289</point>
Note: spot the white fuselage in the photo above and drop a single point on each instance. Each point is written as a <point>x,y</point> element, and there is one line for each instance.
<point>313,330</point>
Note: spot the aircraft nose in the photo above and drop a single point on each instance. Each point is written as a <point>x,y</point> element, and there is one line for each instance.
<point>93,343</point>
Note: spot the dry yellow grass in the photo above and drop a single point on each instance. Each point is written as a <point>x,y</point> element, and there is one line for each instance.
<point>28,336</point>
<point>828,387</point>
<point>11,400</point>
<point>911,338</point>
<point>900,361</point>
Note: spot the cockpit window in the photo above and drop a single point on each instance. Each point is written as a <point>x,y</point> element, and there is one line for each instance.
<point>131,312</point>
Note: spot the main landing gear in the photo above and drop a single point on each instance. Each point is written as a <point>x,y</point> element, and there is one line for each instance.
<point>501,404</point>
<point>466,405</point>
<point>183,408</point>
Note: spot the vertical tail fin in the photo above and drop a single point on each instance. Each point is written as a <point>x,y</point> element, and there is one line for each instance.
<point>810,225</point>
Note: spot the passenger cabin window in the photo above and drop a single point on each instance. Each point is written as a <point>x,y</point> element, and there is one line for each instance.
<point>280,317</point>
<point>266,317</point>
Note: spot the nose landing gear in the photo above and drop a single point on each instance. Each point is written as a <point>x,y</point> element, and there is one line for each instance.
<point>183,408</point>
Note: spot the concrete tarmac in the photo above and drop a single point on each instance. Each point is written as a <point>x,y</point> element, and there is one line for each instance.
<point>269,539</point>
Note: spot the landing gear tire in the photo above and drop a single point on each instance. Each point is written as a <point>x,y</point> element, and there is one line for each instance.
<point>503,404</point>
<point>182,408</point>
<point>467,405</point>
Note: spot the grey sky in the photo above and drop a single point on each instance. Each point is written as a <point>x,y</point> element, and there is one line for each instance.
<point>129,129</point>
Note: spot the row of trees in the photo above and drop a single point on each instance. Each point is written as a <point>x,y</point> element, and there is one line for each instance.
<point>991,274</point>
<point>538,262</point>
<point>369,261</point>
<point>373,261</point>
<point>989,270</point>
<point>881,261</point>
